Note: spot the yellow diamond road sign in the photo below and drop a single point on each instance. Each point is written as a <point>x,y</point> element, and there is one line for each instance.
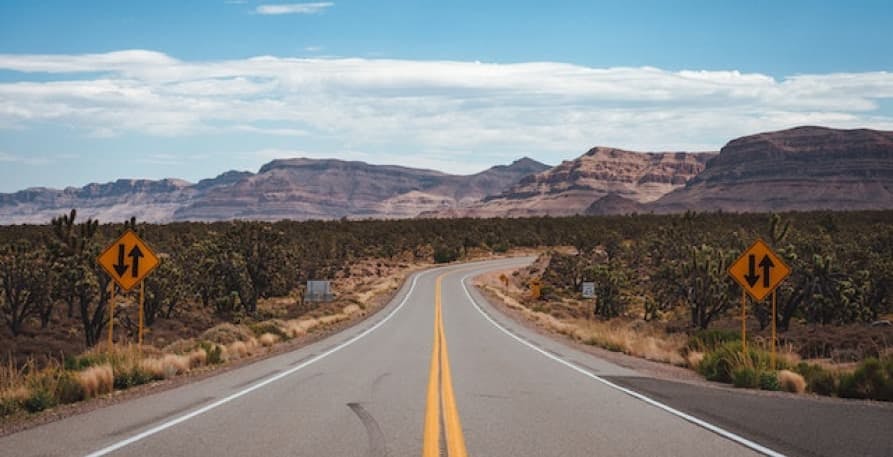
<point>128,260</point>
<point>759,270</point>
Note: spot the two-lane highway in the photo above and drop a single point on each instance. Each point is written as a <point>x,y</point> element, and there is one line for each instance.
<point>390,387</point>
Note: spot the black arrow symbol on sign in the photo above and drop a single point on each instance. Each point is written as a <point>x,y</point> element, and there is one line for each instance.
<point>766,264</point>
<point>751,275</point>
<point>135,254</point>
<point>121,267</point>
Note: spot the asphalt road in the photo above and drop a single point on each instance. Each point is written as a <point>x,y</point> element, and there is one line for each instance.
<point>390,387</point>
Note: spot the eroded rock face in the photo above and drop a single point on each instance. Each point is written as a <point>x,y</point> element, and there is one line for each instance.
<point>804,168</point>
<point>331,189</point>
<point>571,187</point>
<point>282,189</point>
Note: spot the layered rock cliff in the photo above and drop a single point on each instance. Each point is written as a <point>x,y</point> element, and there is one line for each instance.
<point>804,168</point>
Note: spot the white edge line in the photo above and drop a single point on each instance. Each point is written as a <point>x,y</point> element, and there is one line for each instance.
<point>694,420</point>
<point>222,401</point>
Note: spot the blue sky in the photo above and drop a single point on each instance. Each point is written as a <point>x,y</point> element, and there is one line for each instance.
<point>93,91</point>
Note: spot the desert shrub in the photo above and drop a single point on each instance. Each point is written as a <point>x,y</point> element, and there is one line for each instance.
<point>500,247</point>
<point>39,400</point>
<point>78,363</point>
<point>268,339</point>
<point>273,326</point>
<point>719,364</point>
<point>214,352</point>
<point>68,389</point>
<point>9,406</point>
<point>790,381</point>
<point>708,340</point>
<point>181,346</point>
<point>197,358</point>
<point>130,376</point>
<point>445,254</point>
<point>226,334</point>
<point>818,380</point>
<point>870,380</point>
<point>768,380</point>
<point>96,380</point>
<point>744,376</point>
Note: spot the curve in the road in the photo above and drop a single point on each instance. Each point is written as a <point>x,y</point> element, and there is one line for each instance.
<point>694,420</point>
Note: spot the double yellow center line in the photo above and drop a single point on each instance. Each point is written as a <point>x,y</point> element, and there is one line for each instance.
<point>440,394</point>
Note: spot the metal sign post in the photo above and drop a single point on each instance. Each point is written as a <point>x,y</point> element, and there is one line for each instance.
<point>759,271</point>
<point>128,261</point>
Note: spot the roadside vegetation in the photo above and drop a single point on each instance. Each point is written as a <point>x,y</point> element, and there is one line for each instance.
<point>662,293</point>
<point>230,290</point>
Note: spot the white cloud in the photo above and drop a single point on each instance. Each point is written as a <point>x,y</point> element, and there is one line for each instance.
<point>293,8</point>
<point>18,159</point>
<point>440,111</point>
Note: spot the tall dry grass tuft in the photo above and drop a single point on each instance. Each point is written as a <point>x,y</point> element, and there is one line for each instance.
<point>694,359</point>
<point>332,319</point>
<point>268,339</point>
<point>631,338</point>
<point>350,310</point>
<point>237,350</point>
<point>791,382</point>
<point>197,358</point>
<point>96,380</point>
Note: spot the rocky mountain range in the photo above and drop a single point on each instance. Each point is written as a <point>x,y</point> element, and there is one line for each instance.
<point>282,189</point>
<point>571,187</point>
<point>803,168</point>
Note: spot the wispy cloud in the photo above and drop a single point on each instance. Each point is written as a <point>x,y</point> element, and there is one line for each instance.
<point>436,108</point>
<point>18,159</point>
<point>293,8</point>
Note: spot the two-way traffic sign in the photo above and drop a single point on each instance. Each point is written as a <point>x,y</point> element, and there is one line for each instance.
<point>128,260</point>
<point>759,271</point>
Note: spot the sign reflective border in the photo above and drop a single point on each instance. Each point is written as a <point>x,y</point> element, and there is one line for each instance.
<point>759,270</point>
<point>128,260</point>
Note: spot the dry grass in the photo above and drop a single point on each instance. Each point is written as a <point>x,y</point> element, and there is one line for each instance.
<point>633,338</point>
<point>167,366</point>
<point>791,382</point>
<point>197,358</point>
<point>240,349</point>
<point>96,380</point>
<point>694,359</point>
<point>268,339</point>
<point>350,310</point>
<point>226,334</point>
<point>331,319</point>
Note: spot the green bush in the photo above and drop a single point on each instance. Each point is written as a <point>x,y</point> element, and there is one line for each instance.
<point>133,376</point>
<point>68,389</point>
<point>769,380</point>
<point>818,380</point>
<point>709,340</point>
<point>78,363</point>
<point>500,248</point>
<point>871,380</point>
<point>719,364</point>
<point>744,376</point>
<point>9,406</point>
<point>214,352</point>
<point>39,400</point>
<point>444,254</point>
